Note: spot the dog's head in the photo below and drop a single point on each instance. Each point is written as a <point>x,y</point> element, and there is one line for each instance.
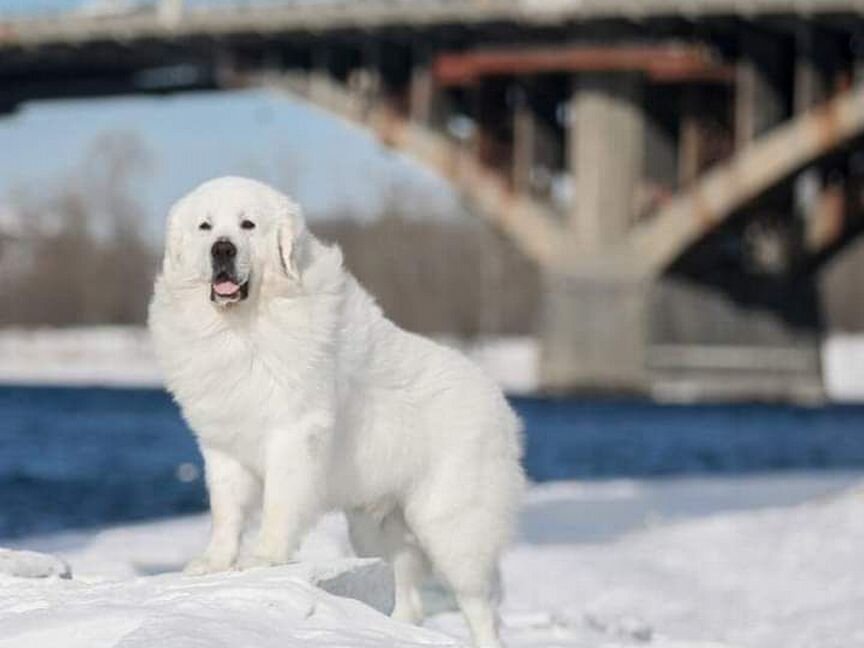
<point>230,235</point>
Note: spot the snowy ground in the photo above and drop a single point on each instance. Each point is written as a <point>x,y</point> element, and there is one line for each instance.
<point>742,562</point>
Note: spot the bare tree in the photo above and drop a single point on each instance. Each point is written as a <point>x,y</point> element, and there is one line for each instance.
<point>437,275</point>
<point>81,258</point>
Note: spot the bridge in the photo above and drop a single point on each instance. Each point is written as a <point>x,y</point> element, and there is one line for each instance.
<point>679,170</point>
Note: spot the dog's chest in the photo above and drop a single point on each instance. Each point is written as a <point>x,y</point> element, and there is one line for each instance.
<point>234,389</point>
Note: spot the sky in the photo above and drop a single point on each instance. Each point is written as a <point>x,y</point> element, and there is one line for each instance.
<point>325,163</point>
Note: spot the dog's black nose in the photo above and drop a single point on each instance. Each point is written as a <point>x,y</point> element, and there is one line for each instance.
<point>223,250</point>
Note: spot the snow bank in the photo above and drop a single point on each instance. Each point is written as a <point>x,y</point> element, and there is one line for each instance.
<point>279,607</point>
<point>675,568</point>
<point>31,564</point>
<point>325,600</point>
<point>123,356</point>
<point>109,355</point>
<point>843,366</point>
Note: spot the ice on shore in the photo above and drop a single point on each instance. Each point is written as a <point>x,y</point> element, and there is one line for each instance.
<point>32,564</point>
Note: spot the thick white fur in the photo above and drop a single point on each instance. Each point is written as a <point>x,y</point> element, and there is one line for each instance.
<point>305,398</point>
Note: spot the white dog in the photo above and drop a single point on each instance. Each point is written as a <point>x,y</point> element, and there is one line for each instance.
<point>303,394</point>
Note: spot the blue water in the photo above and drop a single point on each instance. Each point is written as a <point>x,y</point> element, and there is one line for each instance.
<point>82,457</point>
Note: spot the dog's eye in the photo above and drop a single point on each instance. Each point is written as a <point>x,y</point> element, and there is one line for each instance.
<point>205,226</point>
<point>247,224</point>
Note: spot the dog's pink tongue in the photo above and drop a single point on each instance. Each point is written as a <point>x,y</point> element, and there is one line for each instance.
<point>225,288</point>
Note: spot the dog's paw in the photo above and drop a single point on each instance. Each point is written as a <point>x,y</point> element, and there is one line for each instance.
<point>203,565</point>
<point>253,561</point>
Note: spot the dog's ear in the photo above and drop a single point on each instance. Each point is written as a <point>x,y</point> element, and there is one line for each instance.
<point>290,241</point>
<point>288,250</point>
<point>173,245</point>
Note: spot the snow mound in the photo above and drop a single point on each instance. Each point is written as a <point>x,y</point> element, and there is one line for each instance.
<point>30,564</point>
<point>282,607</point>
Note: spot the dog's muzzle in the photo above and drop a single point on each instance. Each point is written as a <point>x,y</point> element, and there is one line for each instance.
<point>226,288</point>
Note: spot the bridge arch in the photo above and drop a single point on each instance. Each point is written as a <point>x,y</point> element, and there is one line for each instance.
<point>531,226</point>
<point>653,244</point>
<point>764,163</point>
<point>519,72</point>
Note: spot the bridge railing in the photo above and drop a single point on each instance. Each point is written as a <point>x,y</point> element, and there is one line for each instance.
<point>23,9</point>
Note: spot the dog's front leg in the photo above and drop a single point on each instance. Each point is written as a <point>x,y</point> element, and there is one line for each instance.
<point>293,487</point>
<point>232,490</point>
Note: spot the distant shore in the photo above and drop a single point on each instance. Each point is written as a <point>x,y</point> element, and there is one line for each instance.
<point>122,356</point>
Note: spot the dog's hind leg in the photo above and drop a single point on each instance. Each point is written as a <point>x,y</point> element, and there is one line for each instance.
<point>463,544</point>
<point>391,539</point>
<point>409,568</point>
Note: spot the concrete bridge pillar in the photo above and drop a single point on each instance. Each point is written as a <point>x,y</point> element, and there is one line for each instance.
<point>593,330</point>
<point>525,141</point>
<point>422,96</point>
<point>698,106</point>
<point>533,143</point>
<point>429,104</point>
<point>605,145</point>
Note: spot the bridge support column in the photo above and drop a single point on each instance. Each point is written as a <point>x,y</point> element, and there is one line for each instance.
<point>594,332</point>
<point>526,142</point>
<point>428,102</point>
<point>693,136</point>
<point>605,143</point>
<point>533,144</point>
<point>422,96</point>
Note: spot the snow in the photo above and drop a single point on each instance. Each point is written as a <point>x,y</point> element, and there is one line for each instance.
<point>102,355</point>
<point>513,362</point>
<point>32,564</point>
<point>262,608</point>
<point>744,562</point>
<point>122,356</point>
<point>843,365</point>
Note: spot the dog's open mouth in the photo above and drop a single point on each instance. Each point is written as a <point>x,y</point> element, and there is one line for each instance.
<point>226,289</point>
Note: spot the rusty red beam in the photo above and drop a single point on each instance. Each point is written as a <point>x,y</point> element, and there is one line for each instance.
<point>673,63</point>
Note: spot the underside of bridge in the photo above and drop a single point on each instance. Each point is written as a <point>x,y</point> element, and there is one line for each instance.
<point>680,179</point>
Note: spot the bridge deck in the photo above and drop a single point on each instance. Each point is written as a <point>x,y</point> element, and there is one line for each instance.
<point>340,15</point>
